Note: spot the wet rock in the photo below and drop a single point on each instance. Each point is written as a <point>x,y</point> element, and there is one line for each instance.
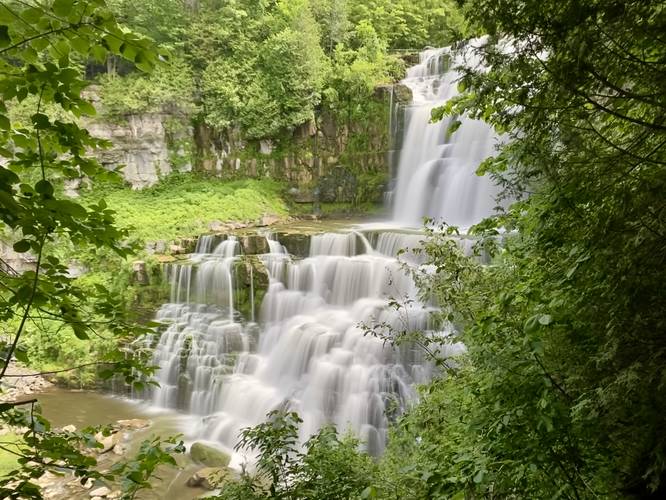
<point>69,428</point>
<point>254,244</point>
<point>189,244</point>
<point>134,423</point>
<point>209,478</point>
<point>207,455</point>
<point>114,495</point>
<point>107,442</point>
<point>402,93</point>
<point>297,243</point>
<point>102,491</point>
<point>268,220</point>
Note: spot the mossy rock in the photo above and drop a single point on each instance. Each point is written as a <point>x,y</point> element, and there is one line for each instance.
<point>207,455</point>
<point>402,93</point>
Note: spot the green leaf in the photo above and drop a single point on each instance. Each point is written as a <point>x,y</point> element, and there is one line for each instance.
<point>455,125</point>
<point>86,108</point>
<point>62,8</point>
<point>80,331</point>
<point>4,123</point>
<point>44,187</point>
<point>40,121</point>
<point>40,44</point>
<point>80,44</point>
<point>22,246</point>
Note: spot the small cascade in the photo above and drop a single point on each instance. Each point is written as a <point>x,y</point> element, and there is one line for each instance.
<point>199,343</point>
<point>436,172</point>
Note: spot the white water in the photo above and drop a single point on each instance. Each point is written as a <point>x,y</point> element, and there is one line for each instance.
<point>436,171</point>
<point>307,349</point>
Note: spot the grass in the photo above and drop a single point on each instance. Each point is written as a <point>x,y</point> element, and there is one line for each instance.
<point>8,460</point>
<point>185,204</point>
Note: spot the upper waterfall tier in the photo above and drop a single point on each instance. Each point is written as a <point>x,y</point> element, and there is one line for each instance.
<point>436,171</point>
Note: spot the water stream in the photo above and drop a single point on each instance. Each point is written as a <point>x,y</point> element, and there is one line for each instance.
<point>436,170</point>
<point>304,345</point>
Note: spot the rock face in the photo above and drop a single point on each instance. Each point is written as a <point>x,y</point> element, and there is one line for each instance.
<point>139,144</point>
<point>147,146</point>
<point>207,455</point>
<point>151,145</point>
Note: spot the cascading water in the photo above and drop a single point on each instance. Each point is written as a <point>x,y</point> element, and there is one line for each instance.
<point>311,353</point>
<point>436,171</point>
<point>308,349</point>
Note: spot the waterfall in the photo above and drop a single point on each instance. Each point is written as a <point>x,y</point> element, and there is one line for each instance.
<point>436,170</point>
<point>308,349</point>
<point>202,336</point>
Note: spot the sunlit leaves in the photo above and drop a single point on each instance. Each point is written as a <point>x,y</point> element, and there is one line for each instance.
<point>42,46</point>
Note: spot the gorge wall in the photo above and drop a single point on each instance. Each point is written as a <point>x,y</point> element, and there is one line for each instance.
<point>336,157</point>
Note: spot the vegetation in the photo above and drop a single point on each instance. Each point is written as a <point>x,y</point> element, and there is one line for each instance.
<point>267,67</point>
<point>560,393</point>
<point>185,205</point>
<point>41,50</point>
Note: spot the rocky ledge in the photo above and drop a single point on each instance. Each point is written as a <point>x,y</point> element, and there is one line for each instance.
<point>19,382</point>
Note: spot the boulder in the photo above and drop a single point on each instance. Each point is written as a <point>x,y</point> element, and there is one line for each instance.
<point>402,93</point>
<point>207,455</point>
<point>254,244</point>
<point>218,226</point>
<point>107,442</point>
<point>69,428</point>
<point>268,220</point>
<point>160,246</point>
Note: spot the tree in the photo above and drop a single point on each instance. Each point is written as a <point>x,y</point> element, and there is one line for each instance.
<point>561,391</point>
<point>43,47</point>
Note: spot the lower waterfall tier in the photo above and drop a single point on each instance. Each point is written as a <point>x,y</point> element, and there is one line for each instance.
<point>308,348</point>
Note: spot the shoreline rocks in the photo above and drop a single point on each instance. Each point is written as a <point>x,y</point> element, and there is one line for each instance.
<point>18,382</point>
